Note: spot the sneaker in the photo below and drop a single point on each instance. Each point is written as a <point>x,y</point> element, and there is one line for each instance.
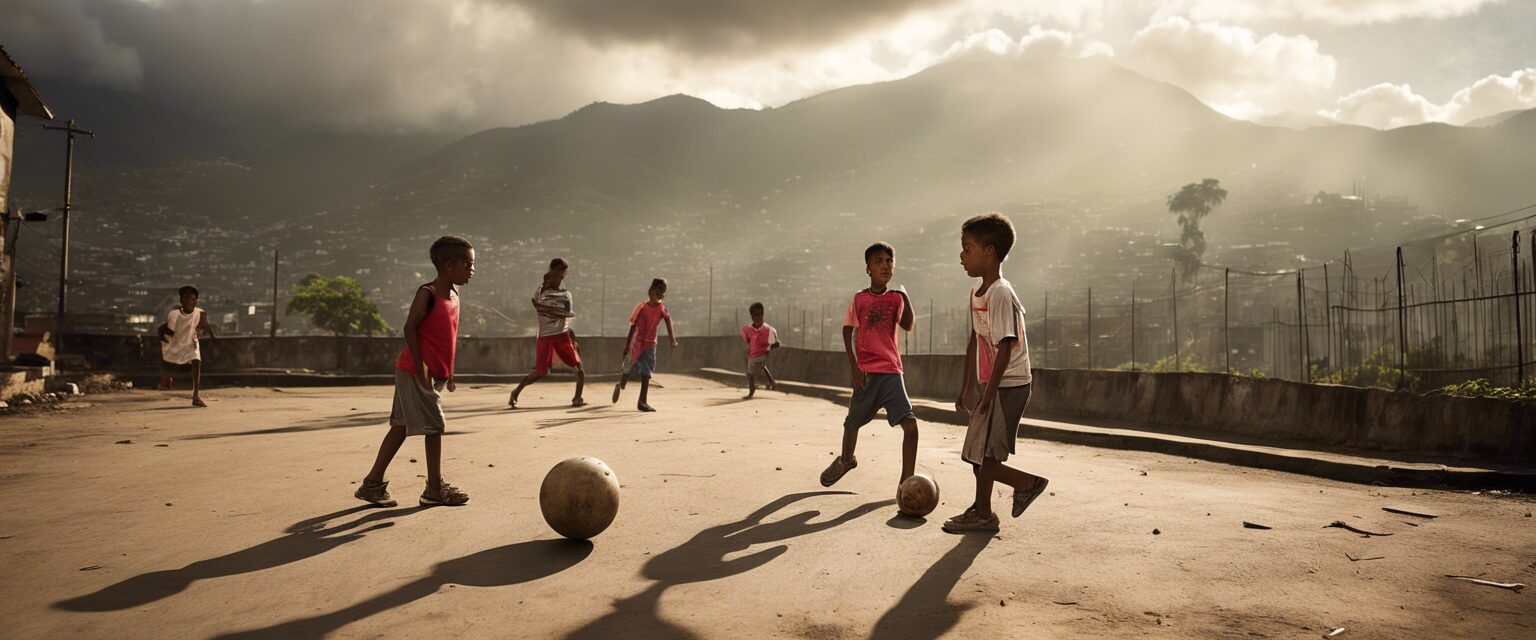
<point>375,492</point>
<point>1022,499</point>
<point>645,408</point>
<point>837,470</point>
<point>197,401</point>
<point>443,494</point>
<point>165,384</point>
<point>511,402</point>
<point>969,521</point>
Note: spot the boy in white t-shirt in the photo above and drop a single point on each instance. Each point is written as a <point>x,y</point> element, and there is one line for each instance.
<point>552,302</point>
<point>179,344</point>
<point>997,356</point>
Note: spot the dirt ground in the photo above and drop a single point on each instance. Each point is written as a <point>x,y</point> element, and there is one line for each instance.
<point>238,521</point>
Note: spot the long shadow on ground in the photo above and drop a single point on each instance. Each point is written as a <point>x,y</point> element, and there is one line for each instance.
<point>702,558</point>
<point>305,539</point>
<point>362,419</point>
<point>506,565</point>
<point>925,611</point>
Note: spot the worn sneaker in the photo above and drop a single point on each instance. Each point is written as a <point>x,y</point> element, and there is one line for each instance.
<point>375,492</point>
<point>443,494</point>
<point>837,470</point>
<point>969,521</point>
<point>1022,499</point>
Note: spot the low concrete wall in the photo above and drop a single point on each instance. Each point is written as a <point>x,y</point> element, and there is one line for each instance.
<point>1277,411</point>
<point>351,355</point>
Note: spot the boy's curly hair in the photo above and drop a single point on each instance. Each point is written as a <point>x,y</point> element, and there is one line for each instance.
<point>449,248</point>
<point>991,229</point>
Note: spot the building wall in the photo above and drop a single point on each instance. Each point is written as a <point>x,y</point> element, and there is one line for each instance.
<point>7,144</point>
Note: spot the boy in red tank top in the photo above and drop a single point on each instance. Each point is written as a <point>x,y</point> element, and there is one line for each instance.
<point>423,370</point>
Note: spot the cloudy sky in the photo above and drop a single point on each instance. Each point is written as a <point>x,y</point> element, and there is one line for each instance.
<point>454,65</point>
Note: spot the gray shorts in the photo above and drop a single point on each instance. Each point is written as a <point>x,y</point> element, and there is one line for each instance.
<point>881,391</point>
<point>992,435</point>
<point>418,410</point>
<point>757,366</point>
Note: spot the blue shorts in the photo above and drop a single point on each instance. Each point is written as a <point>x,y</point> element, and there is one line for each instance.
<point>645,363</point>
<point>881,391</point>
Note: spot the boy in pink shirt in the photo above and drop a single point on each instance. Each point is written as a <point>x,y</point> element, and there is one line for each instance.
<point>869,338</point>
<point>640,347</point>
<point>761,338</point>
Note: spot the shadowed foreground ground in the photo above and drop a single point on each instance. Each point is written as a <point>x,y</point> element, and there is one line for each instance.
<point>238,521</point>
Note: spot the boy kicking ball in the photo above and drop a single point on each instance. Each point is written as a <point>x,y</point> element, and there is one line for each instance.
<point>998,355</point>
<point>869,338</point>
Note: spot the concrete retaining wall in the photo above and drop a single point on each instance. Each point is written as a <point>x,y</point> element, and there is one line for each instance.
<point>1278,411</point>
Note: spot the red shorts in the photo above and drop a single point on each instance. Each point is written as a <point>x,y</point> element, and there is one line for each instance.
<point>559,344</point>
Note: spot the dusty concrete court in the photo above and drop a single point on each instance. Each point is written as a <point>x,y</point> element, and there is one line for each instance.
<point>238,520</point>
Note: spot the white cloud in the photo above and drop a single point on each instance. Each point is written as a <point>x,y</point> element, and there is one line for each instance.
<point>1342,12</point>
<point>1232,66</point>
<point>1491,95</point>
<point>1383,106</point>
<point>1387,105</point>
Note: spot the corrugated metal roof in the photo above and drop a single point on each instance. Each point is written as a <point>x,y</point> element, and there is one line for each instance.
<point>16,82</point>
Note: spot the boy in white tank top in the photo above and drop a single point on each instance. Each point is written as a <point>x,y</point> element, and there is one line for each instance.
<point>179,342</point>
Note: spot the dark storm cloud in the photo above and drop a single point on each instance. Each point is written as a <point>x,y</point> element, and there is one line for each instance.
<point>354,64</point>
<point>711,27</point>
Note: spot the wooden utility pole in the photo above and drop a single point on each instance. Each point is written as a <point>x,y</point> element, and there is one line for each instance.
<point>8,279</point>
<point>274,292</point>
<point>69,174</point>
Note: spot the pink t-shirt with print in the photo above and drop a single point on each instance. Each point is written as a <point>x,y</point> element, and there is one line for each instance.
<point>647,318</point>
<point>875,318</point>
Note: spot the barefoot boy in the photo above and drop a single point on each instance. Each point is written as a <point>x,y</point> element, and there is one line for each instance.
<point>556,338</point>
<point>761,339</point>
<point>641,344</point>
<point>423,370</point>
<point>869,338</point>
<point>998,355</point>
<point>179,344</point>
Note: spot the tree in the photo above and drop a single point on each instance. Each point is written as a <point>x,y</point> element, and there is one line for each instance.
<point>337,305</point>
<point>1192,204</point>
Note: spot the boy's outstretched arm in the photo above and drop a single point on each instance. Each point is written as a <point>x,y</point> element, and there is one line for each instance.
<point>204,325</point>
<point>669,331</point>
<point>413,340</point>
<point>906,311</point>
<point>854,373</point>
<point>628,338</point>
<point>969,375</point>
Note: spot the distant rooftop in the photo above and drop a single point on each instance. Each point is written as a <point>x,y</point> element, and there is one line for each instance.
<point>16,82</point>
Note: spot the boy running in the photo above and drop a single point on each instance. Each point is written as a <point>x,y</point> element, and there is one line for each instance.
<point>556,338</point>
<point>423,370</point>
<point>869,338</point>
<point>641,343</point>
<point>998,355</point>
<point>761,338</point>
<point>179,345</point>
